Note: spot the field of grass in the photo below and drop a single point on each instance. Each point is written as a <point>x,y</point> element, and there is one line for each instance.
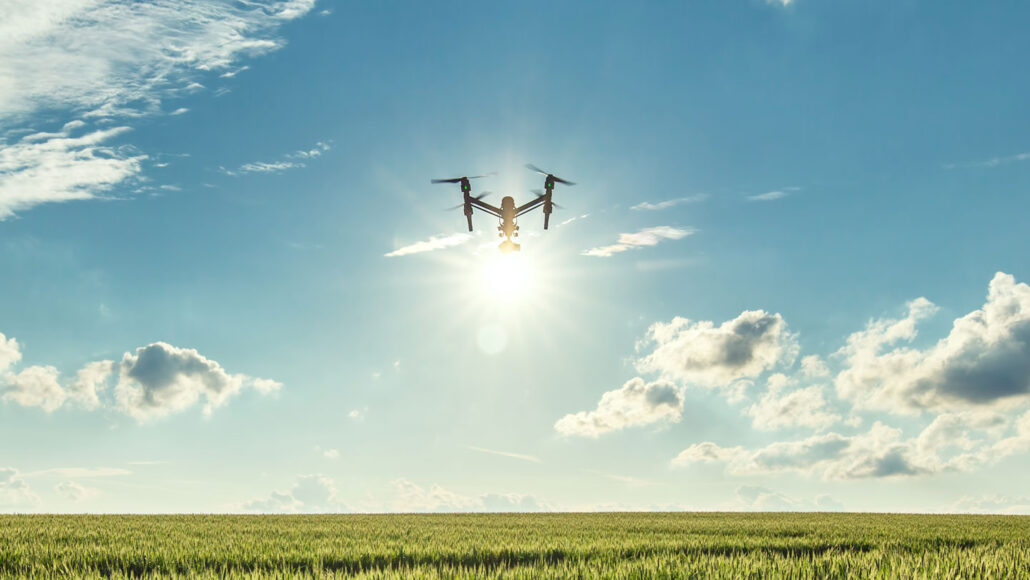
<point>666,545</point>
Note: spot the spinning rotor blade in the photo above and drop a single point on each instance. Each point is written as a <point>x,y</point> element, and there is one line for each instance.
<point>458,179</point>
<point>532,167</point>
<point>478,197</point>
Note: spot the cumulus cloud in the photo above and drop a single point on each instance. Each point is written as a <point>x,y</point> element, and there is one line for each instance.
<point>14,492</point>
<point>156,380</point>
<point>74,491</point>
<point>10,352</point>
<point>813,367</point>
<point>648,206</point>
<point>35,386</point>
<point>635,404</point>
<point>992,504</point>
<point>409,497</point>
<point>159,379</point>
<point>310,494</point>
<point>984,360</point>
<point>701,353</point>
<point>757,498</point>
<point>780,408</point>
<point>98,60</point>
<point>90,381</point>
<point>438,242</point>
<point>644,238</point>
<point>951,443</point>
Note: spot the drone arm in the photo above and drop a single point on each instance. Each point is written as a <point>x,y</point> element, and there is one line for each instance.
<point>494,211</point>
<point>530,206</point>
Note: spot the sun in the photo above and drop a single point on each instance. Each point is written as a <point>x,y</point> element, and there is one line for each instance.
<point>507,277</point>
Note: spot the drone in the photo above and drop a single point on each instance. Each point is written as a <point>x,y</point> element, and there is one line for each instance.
<point>508,213</point>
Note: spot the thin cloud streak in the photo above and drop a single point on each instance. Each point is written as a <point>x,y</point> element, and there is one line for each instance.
<point>520,456</point>
<point>434,243</point>
<point>670,202</point>
<point>993,162</point>
<point>293,160</point>
<point>644,238</point>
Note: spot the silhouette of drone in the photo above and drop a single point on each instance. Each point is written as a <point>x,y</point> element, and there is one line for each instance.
<point>508,213</point>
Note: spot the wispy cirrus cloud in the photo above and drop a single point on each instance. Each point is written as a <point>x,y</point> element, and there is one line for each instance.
<point>774,194</point>
<point>438,242</point>
<point>520,456</point>
<point>104,61</point>
<point>670,202</point>
<point>992,162</point>
<point>70,164</point>
<point>641,239</point>
<point>294,160</point>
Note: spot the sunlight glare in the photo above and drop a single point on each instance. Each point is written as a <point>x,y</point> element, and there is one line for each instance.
<point>508,277</point>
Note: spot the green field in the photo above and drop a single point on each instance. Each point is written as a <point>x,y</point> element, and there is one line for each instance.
<point>666,545</point>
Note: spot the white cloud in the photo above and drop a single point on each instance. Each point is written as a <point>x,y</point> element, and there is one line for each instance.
<point>756,498</point>
<point>14,492</point>
<point>293,160</point>
<point>780,2</point>
<point>56,167</point>
<point>521,456</point>
<point>992,504</point>
<point>701,353</point>
<point>670,202</point>
<point>768,196</point>
<point>35,386</point>
<point>635,404</point>
<point>993,162</point>
<point>780,408</point>
<point>358,414</point>
<point>984,361</point>
<point>159,379</point>
<point>10,353</point>
<point>410,497</point>
<point>310,494</point>
<point>644,238</point>
<point>331,453</point>
<point>104,59</point>
<point>74,491</point>
<point>952,442</point>
<point>108,55</point>
<point>813,367</point>
<point>90,381</point>
<point>438,242</point>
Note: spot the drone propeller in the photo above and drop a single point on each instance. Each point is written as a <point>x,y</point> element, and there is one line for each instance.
<point>532,167</point>
<point>478,197</point>
<point>459,179</point>
<point>540,194</point>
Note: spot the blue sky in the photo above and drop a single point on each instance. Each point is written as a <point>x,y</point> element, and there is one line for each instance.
<point>792,273</point>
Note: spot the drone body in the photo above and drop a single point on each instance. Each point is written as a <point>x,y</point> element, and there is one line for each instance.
<point>508,213</point>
